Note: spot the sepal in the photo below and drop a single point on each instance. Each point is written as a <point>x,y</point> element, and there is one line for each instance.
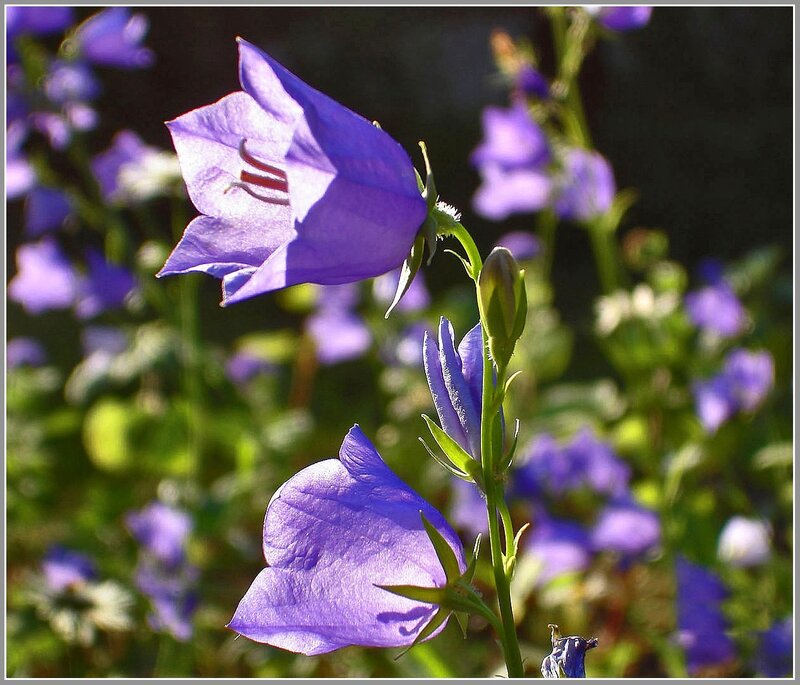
<point>457,455</point>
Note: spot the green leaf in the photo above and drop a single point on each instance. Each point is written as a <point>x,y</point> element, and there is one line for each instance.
<point>508,458</point>
<point>464,261</point>
<point>446,465</point>
<point>408,271</point>
<point>446,555</point>
<point>461,618</point>
<point>457,455</point>
<point>429,595</point>
<point>473,562</point>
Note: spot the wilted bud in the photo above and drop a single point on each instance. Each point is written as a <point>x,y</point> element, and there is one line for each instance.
<point>503,303</point>
<point>566,659</point>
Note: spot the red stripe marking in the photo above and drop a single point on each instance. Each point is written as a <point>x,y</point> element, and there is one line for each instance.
<point>264,181</point>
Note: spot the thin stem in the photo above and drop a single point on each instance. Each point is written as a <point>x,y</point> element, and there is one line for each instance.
<point>603,249</point>
<point>473,254</point>
<point>489,410</point>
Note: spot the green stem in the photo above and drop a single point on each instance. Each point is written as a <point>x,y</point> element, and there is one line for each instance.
<point>190,340</point>
<point>603,248</point>
<point>495,503</point>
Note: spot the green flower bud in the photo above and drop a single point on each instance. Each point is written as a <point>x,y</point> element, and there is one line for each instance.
<point>503,303</point>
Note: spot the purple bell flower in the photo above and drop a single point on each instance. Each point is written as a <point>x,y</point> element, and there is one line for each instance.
<point>243,367</point>
<point>776,650</point>
<point>744,542</point>
<point>567,657</point>
<point>529,81</point>
<point>39,21</point>
<point>162,531</point>
<point>468,508</point>
<point>584,462</point>
<point>455,379</point>
<point>522,244</point>
<point>517,191</point>
<point>512,140</point>
<point>626,528</point>
<point>558,546</point>
<point>45,210</point>
<point>624,18</point>
<point>112,38</point>
<point>20,176</point>
<point>339,335</point>
<point>126,148</point>
<point>714,402</point>
<point>45,279</point>
<point>716,309</point>
<point>54,126</point>
<point>172,596</point>
<point>105,286</point>
<point>24,352</point>
<point>701,624</point>
<point>751,376</point>
<point>293,188</point>
<point>332,534</point>
<point>585,187</point>
<point>63,568</point>
<point>70,82</point>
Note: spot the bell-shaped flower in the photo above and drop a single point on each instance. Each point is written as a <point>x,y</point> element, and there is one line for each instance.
<point>716,309</point>
<point>112,38</point>
<point>585,187</point>
<point>105,286</point>
<point>35,20</point>
<point>65,568</point>
<point>744,542</point>
<point>626,528</point>
<point>45,210</point>
<point>292,187</point>
<point>162,531</point>
<point>776,650</point>
<point>455,379</point>
<point>623,18</point>
<point>567,658</point>
<point>558,546</point>
<point>45,279</point>
<point>333,534</point>
<point>24,352</point>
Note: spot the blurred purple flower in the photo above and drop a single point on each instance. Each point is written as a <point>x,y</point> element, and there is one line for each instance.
<point>332,534</point>
<point>624,18</point>
<point>242,367</point>
<point>112,38</point>
<point>584,462</point>
<point>162,531</point>
<point>45,210</point>
<point>39,21</point>
<point>776,650</point>
<point>69,82</point>
<point>751,376</point>
<point>585,186</point>
<point>20,176</point>
<point>716,309</point>
<point>701,624</point>
<point>455,379</point>
<point>24,352</point>
<point>714,402</point>
<point>416,298</point>
<point>626,528</point>
<point>744,542</point>
<point>44,280</point>
<point>338,335</point>
<point>293,188</point>
<point>517,191</point>
<point>522,244</point>
<point>742,385</point>
<point>558,546</point>
<point>711,271</point>
<point>512,140</point>
<point>105,286</point>
<point>531,82</point>
<point>126,148</point>
<point>63,567</point>
<point>54,126</point>
<point>405,349</point>
<point>468,508</point>
<point>172,595</point>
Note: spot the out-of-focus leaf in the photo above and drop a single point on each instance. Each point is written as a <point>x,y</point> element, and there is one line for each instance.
<point>107,432</point>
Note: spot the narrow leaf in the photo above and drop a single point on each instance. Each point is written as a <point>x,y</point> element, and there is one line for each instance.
<point>508,457</point>
<point>438,618</point>
<point>447,556</point>
<point>473,562</point>
<point>446,465</point>
<point>429,595</point>
<point>457,455</point>
<point>408,271</point>
<point>462,618</point>
<point>463,260</point>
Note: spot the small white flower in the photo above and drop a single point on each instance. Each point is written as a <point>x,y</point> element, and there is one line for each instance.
<point>744,542</point>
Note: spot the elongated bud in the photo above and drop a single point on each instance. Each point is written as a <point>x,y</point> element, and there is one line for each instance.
<point>503,303</point>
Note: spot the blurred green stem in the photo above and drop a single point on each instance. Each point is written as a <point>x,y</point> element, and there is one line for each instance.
<point>569,47</point>
<point>190,344</point>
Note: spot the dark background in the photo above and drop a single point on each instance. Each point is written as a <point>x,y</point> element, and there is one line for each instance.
<point>694,111</point>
